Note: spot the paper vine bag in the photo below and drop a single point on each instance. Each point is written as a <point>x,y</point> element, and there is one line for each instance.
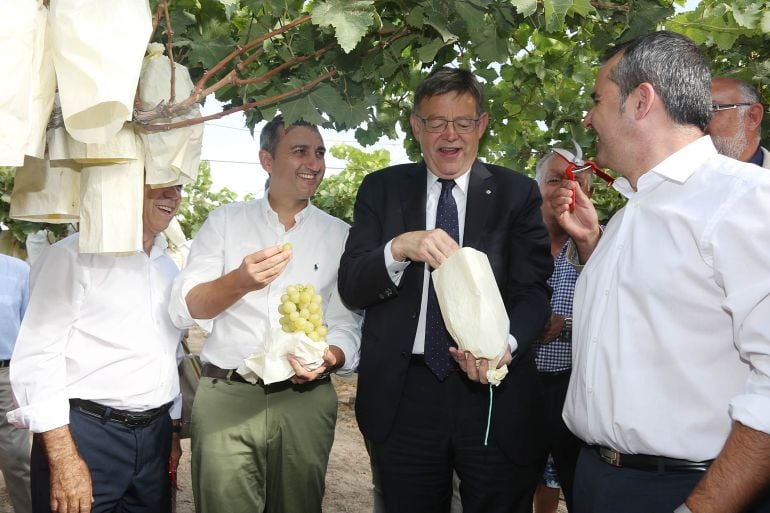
<point>472,308</point>
<point>272,364</point>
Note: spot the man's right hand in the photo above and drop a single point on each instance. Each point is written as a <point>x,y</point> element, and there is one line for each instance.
<point>71,490</point>
<point>581,224</point>
<point>259,269</point>
<point>429,246</point>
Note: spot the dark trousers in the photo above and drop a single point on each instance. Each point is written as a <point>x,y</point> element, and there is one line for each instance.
<point>440,427</point>
<point>602,488</point>
<point>561,444</point>
<point>129,466</point>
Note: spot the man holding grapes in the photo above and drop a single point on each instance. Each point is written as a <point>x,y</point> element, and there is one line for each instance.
<point>254,444</point>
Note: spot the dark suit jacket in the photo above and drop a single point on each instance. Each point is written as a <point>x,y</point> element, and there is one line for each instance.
<point>503,220</point>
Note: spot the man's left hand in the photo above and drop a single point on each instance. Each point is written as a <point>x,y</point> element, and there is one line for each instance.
<point>476,368</point>
<point>334,358</point>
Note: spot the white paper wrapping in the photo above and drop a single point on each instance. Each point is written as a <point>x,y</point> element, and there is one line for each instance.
<point>17,40</point>
<point>98,50</point>
<point>120,147</point>
<point>42,87</point>
<point>111,201</point>
<point>272,365</point>
<point>473,310</point>
<point>45,193</point>
<point>172,156</point>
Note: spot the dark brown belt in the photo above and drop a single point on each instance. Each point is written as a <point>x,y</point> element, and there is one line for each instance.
<point>127,418</point>
<point>646,462</point>
<point>5,363</point>
<point>209,370</point>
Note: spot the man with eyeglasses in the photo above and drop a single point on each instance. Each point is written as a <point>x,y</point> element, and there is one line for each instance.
<point>421,403</point>
<point>736,121</point>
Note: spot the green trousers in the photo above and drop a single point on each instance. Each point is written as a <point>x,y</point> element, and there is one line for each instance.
<point>261,448</point>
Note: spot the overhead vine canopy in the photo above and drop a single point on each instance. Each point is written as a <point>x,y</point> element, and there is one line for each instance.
<point>351,64</point>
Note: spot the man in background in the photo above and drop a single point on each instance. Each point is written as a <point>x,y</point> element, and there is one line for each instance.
<point>736,121</point>
<point>14,442</point>
<point>554,349</point>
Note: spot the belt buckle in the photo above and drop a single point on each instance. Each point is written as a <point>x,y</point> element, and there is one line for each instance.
<point>610,456</point>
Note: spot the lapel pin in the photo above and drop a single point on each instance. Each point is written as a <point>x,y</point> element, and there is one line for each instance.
<point>488,191</point>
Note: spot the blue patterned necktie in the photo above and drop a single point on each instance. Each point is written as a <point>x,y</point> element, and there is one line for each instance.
<point>437,339</point>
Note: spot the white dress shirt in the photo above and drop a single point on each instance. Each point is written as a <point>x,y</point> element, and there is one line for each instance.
<point>395,268</point>
<point>236,230</point>
<point>672,311</point>
<point>96,328</point>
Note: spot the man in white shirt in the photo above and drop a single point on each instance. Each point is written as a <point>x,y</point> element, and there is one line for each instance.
<point>94,372</point>
<point>670,386</point>
<point>736,122</point>
<point>258,447</point>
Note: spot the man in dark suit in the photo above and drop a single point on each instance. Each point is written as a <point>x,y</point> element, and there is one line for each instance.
<point>423,405</point>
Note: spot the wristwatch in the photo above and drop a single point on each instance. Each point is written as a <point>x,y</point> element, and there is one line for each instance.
<point>566,330</point>
<point>176,426</point>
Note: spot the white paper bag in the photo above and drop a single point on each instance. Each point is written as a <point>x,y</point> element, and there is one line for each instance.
<point>98,49</point>
<point>272,364</point>
<point>120,147</point>
<point>17,40</point>
<point>171,156</point>
<point>45,193</point>
<point>473,310</point>
<point>111,202</point>
<point>42,87</point>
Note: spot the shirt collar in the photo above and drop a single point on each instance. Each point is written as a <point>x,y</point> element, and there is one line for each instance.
<point>677,167</point>
<point>271,214</point>
<point>461,181</point>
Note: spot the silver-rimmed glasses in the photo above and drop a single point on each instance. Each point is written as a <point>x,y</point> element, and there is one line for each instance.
<point>438,125</point>
<point>716,107</point>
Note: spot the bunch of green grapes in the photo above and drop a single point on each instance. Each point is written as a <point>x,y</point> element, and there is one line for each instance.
<point>301,312</point>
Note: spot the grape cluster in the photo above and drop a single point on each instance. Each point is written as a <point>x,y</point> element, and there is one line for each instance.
<point>301,312</point>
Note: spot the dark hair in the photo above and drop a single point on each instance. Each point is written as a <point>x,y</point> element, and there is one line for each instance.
<point>448,80</point>
<point>271,135</point>
<point>675,67</point>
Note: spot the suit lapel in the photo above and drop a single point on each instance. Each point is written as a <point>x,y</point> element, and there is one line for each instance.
<point>482,192</point>
<point>413,194</point>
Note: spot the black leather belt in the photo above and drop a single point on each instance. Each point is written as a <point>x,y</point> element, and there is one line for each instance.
<point>5,363</point>
<point>127,418</point>
<point>209,370</point>
<point>645,462</point>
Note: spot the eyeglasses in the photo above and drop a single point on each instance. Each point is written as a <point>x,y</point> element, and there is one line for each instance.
<point>438,125</point>
<point>716,107</point>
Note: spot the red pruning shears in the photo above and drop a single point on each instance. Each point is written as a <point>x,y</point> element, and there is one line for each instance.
<point>576,165</point>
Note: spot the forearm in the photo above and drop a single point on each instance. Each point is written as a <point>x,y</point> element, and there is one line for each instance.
<point>587,244</point>
<point>59,445</point>
<point>207,300</point>
<point>737,476</point>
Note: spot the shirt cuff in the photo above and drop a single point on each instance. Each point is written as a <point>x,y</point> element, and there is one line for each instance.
<point>394,267</point>
<point>752,410</point>
<point>42,416</point>
<point>512,343</point>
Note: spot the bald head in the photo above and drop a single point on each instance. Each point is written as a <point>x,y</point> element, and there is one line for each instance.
<point>737,119</point>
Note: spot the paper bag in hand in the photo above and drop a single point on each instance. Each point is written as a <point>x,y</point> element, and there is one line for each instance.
<point>473,310</point>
